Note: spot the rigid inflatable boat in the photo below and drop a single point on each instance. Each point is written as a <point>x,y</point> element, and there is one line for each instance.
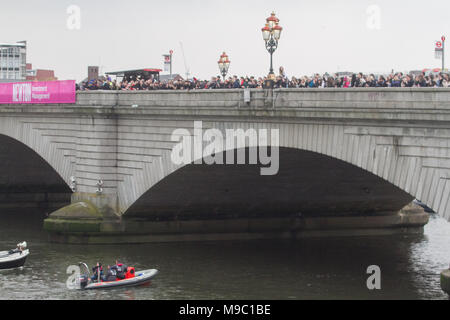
<point>133,278</point>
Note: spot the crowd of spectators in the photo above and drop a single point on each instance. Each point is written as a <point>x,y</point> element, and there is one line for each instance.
<point>357,80</point>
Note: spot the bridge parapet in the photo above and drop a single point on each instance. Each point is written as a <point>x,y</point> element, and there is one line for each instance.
<point>372,98</point>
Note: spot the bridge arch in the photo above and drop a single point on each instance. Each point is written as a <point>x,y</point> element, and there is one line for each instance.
<point>377,152</point>
<point>28,184</point>
<point>32,134</point>
<point>307,184</point>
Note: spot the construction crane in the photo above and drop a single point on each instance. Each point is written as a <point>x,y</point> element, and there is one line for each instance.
<point>185,64</point>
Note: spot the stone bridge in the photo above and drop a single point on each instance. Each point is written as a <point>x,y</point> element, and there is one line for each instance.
<point>350,162</point>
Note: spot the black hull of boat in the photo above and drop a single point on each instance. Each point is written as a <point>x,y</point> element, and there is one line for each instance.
<point>13,264</point>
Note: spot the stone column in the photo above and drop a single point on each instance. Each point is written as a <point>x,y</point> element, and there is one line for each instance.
<point>445,281</point>
<point>94,202</point>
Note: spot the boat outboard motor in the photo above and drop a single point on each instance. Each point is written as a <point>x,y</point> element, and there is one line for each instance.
<point>84,280</point>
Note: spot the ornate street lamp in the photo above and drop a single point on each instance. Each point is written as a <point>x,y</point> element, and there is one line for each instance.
<point>271,34</point>
<point>224,65</point>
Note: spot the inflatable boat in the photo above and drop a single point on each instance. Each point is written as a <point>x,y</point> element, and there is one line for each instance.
<point>14,258</point>
<point>133,278</point>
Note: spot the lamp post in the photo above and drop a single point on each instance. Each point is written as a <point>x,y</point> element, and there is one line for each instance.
<point>171,53</point>
<point>271,35</point>
<point>224,65</point>
<point>443,53</point>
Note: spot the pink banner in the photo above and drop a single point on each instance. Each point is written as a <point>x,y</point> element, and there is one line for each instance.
<point>38,92</point>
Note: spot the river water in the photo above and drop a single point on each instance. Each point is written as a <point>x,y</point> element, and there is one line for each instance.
<point>316,268</point>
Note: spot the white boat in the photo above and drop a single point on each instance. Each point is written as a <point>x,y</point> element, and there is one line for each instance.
<point>14,258</point>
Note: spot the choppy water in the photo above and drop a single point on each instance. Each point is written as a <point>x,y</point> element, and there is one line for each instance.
<point>327,268</point>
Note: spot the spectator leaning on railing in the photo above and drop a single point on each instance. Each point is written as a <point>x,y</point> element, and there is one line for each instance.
<point>359,80</point>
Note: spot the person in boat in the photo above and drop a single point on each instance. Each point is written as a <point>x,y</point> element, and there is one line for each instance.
<point>111,274</point>
<point>116,272</point>
<point>98,268</point>
<point>19,249</point>
<point>120,270</point>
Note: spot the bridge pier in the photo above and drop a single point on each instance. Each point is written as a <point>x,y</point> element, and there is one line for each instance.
<point>105,204</point>
<point>85,216</point>
<point>445,281</point>
<point>83,223</point>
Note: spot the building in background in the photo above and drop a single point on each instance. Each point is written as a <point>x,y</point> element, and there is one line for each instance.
<point>167,77</point>
<point>137,74</point>
<point>14,66</point>
<point>39,74</point>
<point>13,60</point>
<point>92,73</point>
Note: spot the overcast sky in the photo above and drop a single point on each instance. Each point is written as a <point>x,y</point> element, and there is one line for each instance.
<point>318,36</point>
